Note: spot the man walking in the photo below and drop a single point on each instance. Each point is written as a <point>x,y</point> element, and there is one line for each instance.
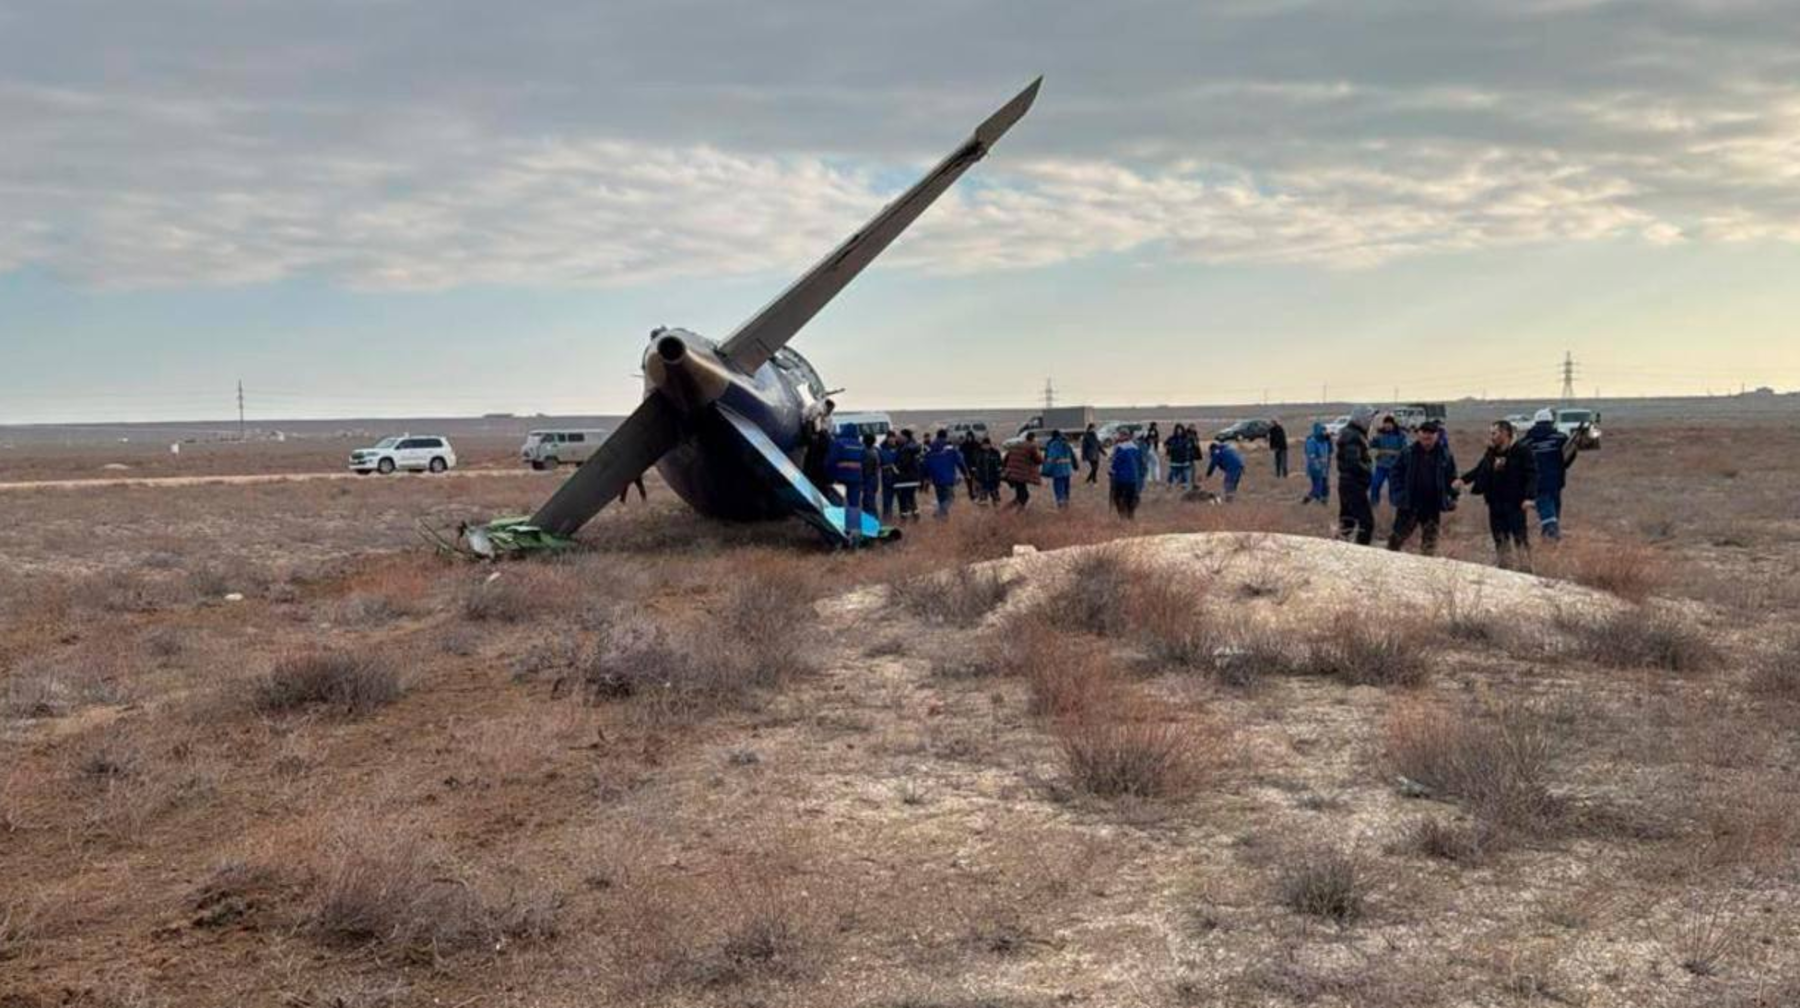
<point>1318,464</point>
<point>1278,447</point>
<point>1022,468</point>
<point>1224,457</point>
<point>944,465</point>
<point>1387,443</point>
<point>1184,451</point>
<point>1421,486</point>
<point>1506,477</point>
<point>1126,474</point>
<point>970,448</point>
<point>1091,452</point>
<point>888,456</point>
<point>1553,452</point>
<point>1059,465</point>
<point>988,465</point>
<point>1356,519</point>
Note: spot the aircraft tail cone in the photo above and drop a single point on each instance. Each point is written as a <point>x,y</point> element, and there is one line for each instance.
<point>689,376</point>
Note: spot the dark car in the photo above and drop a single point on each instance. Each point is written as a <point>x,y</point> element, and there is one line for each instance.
<point>1244,430</point>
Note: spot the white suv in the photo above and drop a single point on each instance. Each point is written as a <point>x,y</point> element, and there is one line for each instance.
<point>419,452</point>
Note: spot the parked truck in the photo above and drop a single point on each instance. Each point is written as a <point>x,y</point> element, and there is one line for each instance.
<point>1071,420</point>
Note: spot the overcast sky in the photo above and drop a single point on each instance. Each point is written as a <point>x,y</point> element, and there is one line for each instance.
<point>405,206</point>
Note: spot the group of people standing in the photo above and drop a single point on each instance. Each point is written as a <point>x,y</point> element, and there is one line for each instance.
<point>1416,470</point>
<point>1423,483</point>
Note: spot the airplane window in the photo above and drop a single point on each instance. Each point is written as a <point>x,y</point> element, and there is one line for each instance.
<point>577,437</point>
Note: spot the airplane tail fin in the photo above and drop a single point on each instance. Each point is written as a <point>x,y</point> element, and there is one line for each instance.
<point>768,330</point>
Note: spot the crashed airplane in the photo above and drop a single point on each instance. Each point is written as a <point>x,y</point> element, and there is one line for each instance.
<point>726,423</point>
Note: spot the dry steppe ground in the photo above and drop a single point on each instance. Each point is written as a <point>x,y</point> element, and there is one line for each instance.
<point>1211,758</point>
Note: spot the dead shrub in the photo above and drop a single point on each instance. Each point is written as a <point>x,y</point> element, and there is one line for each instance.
<point>1639,638</point>
<point>1499,767</point>
<point>373,888</point>
<point>1777,673</point>
<point>1095,595</point>
<point>961,597</point>
<point>18,925</point>
<point>1322,882</point>
<point>1177,631</point>
<point>1127,754</point>
<point>503,597</point>
<point>348,683</point>
<point>637,658</point>
<point>1630,570</point>
<point>1069,678</point>
<point>1460,843</point>
<point>1379,652</point>
<point>1705,938</point>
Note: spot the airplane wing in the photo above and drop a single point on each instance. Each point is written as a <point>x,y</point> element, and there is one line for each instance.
<point>756,341</point>
<point>652,429</point>
<point>792,486</point>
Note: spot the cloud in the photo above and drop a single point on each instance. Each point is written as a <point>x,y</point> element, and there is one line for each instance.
<point>406,145</point>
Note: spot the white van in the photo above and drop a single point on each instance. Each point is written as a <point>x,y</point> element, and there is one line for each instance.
<point>547,449</point>
<point>877,424</point>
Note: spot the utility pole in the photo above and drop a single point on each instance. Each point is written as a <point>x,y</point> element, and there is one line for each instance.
<point>1568,377</point>
<point>240,409</point>
<point>1049,396</point>
<point>1324,393</point>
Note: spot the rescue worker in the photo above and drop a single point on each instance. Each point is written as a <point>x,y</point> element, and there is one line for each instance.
<point>909,472</point>
<point>1091,452</point>
<point>1318,464</point>
<point>1278,447</point>
<point>888,455</point>
<point>1022,468</point>
<point>1222,456</point>
<point>1355,467</point>
<point>1059,465</point>
<point>845,463</point>
<point>1506,477</point>
<point>988,464</point>
<point>1127,475</point>
<point>1422,487</point>
<point>944,465</point>
<point>1387,443</point>
<point>1553,452</point>
<point>639,483</point>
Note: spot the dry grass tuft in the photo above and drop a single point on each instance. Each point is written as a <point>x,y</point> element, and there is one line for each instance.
<point>1777,673</point>
<point>1323,882</point>
<point>503,597</point>
<point>348,683</point>
<point>373,888</point>
<point>18,926</point>
<point>1629,569</point>
<point>1461,843</point>
<point>1095,597</point>
<point>1176,628</point>
<point>1393,651</point>
<point>1499,767</point>
<point>1645,637</point>
<point>962,597</point>
<point>1128,754</point>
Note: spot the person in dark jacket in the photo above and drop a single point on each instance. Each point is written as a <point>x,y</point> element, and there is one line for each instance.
<point>1422,487</point>
<point>1506,477</point>
<point>1278,448</point>
<point>1223,457</point>
<point>1318,464</point>
<point>1553,452</point>
<point>944,465</point>
<point>1091,452</point>
<point>1127,475</point>
<point>1356,468</point>
<point>845,463</point>
<point>1059,464</point>
<point>1387,444</point>
<point>1023,469</point>
<point>1184,452</point>
<point>970,448</point>
<point>909,472</point>
<point>988,464</point>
